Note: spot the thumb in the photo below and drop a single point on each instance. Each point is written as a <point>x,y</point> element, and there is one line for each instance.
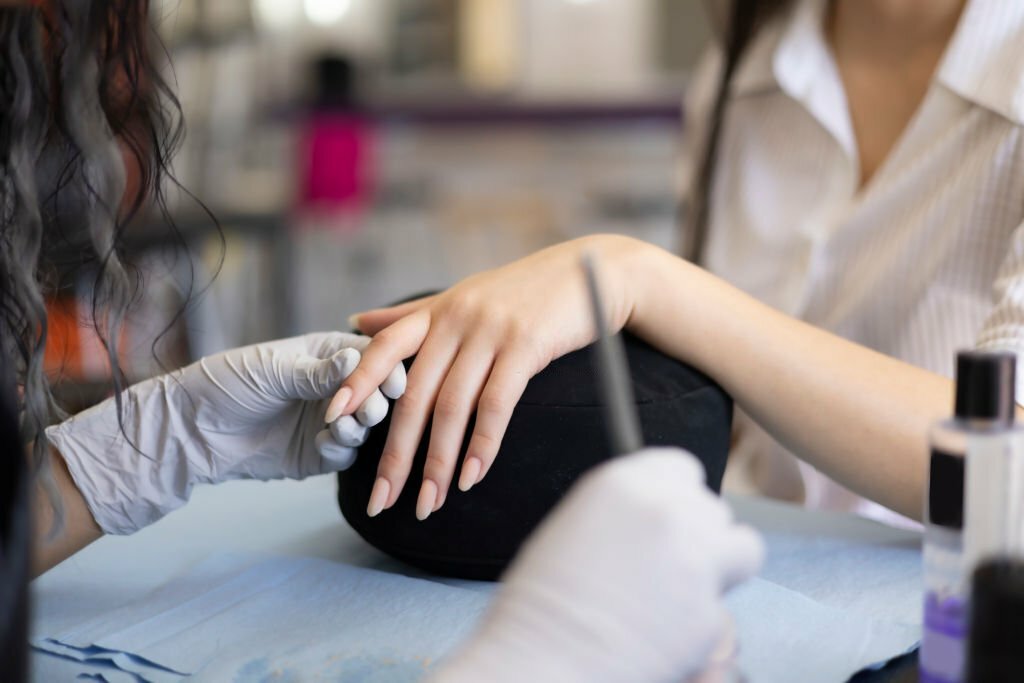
<point>372,322</point>
<point>313,379</point>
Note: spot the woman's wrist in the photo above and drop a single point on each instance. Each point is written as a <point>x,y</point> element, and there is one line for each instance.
<point>629,271</point>
<point>62,527</point>
<point>674,302</point>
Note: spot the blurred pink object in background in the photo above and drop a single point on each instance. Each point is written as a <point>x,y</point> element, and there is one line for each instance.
<point>336,159</point>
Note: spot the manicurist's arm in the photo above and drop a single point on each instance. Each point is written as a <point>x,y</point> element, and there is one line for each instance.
<point>55,542</point>
<point>255,412</point>
<point>855,414</point>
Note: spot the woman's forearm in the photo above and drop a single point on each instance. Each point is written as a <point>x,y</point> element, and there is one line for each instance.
<point>54,541</point>
<point>857,415</point>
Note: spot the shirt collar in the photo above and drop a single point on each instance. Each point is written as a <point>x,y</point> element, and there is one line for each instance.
<point>984,62</point>
<point>787,53</point>
<point>792,54</point>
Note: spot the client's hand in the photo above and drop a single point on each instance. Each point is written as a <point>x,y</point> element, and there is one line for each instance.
<point>254,412</point>
<point>623,582</point>
<point>478,345</point>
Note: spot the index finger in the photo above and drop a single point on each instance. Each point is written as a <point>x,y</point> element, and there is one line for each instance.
<point>373,321</point>
<point>387,350</point>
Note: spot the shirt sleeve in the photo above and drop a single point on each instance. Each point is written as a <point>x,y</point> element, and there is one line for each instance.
<point>1003,329</point>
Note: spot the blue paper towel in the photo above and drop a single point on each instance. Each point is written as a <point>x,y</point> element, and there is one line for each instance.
<point>785,636</point>
<point>248,618</point>
<point>242,617</point>
<point>858,573</point>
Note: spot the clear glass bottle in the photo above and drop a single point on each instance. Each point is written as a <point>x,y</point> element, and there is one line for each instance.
<point>985,404</point>
<point>945,606</point>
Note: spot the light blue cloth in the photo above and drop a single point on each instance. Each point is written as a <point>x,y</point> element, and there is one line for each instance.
<point>246,618</point>
<point>836,595</point>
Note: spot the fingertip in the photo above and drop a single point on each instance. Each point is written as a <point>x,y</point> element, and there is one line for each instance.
<point>427,499</point>
<point>336,408</point>
<point>335,456</point>
<point>353,321</point>
<point>395,383</point>
<point>348,431</point>
<point>373,411</point>
<point>745,556</point>
<point>378,497</point>
<point>442,497</point>
<point>470,474</point>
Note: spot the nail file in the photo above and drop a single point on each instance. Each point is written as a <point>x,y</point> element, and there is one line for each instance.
<point>613,376</point>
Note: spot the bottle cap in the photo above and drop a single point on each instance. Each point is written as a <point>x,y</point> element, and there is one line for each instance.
<point>986,385</point>
<point>994,652</point>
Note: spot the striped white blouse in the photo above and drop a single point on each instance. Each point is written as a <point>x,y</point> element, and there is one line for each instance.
<point>926,259</point>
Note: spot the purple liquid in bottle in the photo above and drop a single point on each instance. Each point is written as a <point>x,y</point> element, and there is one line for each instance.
<point>945,632</point>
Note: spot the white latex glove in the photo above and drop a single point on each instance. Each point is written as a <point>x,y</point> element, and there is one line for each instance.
<point>255,412</point>
<point>623,582</point>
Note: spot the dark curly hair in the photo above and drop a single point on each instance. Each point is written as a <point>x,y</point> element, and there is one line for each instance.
<point>88,126</point>
<point>82,100</point>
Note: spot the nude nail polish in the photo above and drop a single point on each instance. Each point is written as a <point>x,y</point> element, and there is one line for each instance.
<point>378,497</point>
<point>427,499</point>
<point>338,404</point>
<point>470,473</point>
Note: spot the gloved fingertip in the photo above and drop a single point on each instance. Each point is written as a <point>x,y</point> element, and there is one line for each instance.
<point>347,360</point>
<point>335,456</point>
<point>394,385</point>
<point>743,557</point>
<point>373,411</point>
<point>348,432</point>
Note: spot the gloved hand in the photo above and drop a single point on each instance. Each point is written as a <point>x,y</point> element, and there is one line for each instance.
<point>254,412</point>
<point>623,582</point>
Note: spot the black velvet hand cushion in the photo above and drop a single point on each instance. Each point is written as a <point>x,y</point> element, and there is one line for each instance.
<point>556,433</point>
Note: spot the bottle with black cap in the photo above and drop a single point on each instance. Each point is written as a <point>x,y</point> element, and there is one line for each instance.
<point>985,404</point>
<point>994,652</point>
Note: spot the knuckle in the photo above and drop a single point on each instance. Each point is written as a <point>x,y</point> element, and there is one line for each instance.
<point>436,463</point>
<point>485,445</point>
<point>519,331</point>
<point>382,339</point>
<point>493,404</point>
<point>391,463</point>
<point>461,309</point>
<point>412,401</point>
<point>359,377</point>
<point>536,356</point>
<point>448,406</point>
<point>497,322</point>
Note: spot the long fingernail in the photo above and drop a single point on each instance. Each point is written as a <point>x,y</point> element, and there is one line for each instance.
<point>428,497</point>
<point>469,474</point>
<point>337,406</point>
<point>379,496</point>
<point>353,321</point>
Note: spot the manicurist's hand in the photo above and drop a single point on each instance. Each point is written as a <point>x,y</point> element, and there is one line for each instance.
<point>477,346</point>
<point>254,412</point>
<point>623,582</point>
